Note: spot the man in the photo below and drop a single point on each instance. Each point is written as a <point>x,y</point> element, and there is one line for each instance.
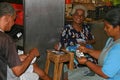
<point>12,65</point>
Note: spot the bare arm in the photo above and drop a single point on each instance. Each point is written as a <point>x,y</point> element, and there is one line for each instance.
<point>97,69</point>
<point>94,53</point>
<point>18,70</point>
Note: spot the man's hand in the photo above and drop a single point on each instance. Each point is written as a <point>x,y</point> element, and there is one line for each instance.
<point>35,52</point>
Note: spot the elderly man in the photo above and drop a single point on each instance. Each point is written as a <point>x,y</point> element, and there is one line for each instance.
<point>13,65</point>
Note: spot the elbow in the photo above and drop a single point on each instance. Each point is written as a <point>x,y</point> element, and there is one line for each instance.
<point>17,75</point>
<point>106,77</point>
<point>17,71</point>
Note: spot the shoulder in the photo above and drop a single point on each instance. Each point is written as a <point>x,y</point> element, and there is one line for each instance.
<point>4,37</point>
<point>115,50</point>
<point>67,27</point>
<point>116,44</point>
<point>116,47</point>
<point>86,26</point>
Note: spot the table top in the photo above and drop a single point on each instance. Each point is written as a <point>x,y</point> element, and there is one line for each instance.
<point>64,55</point>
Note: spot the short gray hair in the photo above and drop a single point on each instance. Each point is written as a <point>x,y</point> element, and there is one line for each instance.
<point>6,8</point>
<point>79,7</point>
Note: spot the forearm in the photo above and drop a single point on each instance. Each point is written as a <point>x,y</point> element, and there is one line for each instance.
<point>94,53</point>
<point>18,70</point>
<point>27,62</point>
<point>97,69</point>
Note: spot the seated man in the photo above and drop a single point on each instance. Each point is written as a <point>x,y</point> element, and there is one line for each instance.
<point>33,72</point>
<point>11,66</point>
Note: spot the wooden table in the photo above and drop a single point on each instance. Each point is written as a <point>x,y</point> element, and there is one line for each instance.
<point>58,60</point>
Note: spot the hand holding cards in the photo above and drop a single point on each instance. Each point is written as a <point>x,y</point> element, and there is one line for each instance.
<point>79,54</point>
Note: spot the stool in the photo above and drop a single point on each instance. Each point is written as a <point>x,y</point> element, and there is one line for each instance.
<point>58,61</point>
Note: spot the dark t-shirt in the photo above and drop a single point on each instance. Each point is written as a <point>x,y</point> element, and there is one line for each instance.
<point>8,55</point>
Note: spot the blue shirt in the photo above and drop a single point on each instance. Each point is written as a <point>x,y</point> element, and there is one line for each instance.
<point>111,65</point>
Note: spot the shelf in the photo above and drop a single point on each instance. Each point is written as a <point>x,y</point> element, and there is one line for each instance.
<point>82,3</point>
<point>88,20</point>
